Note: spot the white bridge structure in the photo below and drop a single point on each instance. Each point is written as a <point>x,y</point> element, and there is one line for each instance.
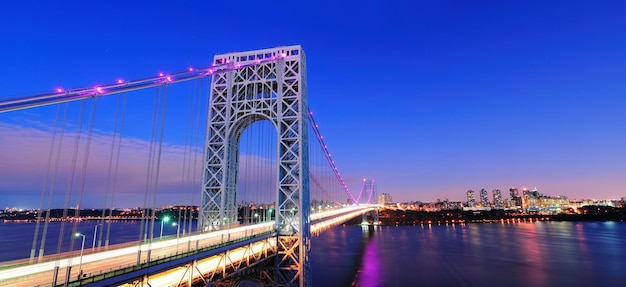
<point>304,194</point>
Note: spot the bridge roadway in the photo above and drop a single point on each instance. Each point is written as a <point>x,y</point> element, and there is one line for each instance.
<point>123,261</point>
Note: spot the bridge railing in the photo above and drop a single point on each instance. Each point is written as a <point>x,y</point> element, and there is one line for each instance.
<point>86,251</point>
<point>117,271</point>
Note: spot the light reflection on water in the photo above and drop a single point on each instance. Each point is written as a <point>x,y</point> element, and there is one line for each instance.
<point>481,254</point>
<point>485,254</point>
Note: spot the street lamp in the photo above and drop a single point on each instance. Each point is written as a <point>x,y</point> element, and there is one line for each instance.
<point>95,234</point>
<point>177,228</point>
<point>256,217</point>
<point>165,219</point>
<point>82,248</point>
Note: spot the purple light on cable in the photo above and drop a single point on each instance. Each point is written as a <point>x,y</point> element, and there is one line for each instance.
<point>258,61</point>
<point>99,90</point>
<point>283,55</point>
<point>169,79</point>
<point>210,71</point>
<point>238,66</point>
<point>59,90</point>
<point>190,69</point>
<point>160,74</point>
<point>120,81</point>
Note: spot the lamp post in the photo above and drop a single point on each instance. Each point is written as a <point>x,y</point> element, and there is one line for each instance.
<point>95,234</point>
<point>177,228</point>
<point>82,248</point>
<point>256,217</point>
<point>164,220</point>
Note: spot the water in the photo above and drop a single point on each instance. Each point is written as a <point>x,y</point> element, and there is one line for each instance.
<point>16,238</point>
<point>485,254</point>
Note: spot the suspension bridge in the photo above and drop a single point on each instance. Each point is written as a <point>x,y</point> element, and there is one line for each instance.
<point>261,167</point>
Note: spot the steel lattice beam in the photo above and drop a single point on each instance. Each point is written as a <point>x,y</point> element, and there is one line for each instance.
<point>269,90</point>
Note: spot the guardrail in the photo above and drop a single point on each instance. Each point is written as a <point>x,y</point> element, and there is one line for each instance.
<point>163,260</point>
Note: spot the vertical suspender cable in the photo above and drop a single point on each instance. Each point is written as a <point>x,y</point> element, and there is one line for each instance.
<point>245,153</point>
<point>158,162</point>
<point>45,183</point>
<point>83,174</point>
<point>143,233</point>
<point>107,191</point>
<point>193,99</point>
<point>52,185</point>
<point>199,147</point>
<point>263,152</point>
<point>259,155</point>
<point>70,180</point>
<point>186,150</point>
<point>115,172</point>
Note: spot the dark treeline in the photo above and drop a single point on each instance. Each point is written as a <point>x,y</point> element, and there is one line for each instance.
<point>95,214</point>
<point>386,216</point>
<point>411,217</point>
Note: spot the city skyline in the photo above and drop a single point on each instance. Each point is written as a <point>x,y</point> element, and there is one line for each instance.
<point>450,95</point>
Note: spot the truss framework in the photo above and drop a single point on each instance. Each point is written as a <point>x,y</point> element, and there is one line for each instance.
<point>273,91</point>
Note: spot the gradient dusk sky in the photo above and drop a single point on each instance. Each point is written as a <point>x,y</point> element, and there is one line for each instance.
<point>430,98</point>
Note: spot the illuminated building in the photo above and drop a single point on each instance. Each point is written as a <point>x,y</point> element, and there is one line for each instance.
<point>471,201</point>
<point>535,202</point>
<point>484,197</point>
<point>516,200</point>
<point>497,198</point>
<point>384,198</point>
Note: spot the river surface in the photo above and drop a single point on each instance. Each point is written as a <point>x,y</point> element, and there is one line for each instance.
<point>477,254</point>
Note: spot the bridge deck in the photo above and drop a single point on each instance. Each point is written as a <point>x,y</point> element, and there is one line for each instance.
<point>123,263</point>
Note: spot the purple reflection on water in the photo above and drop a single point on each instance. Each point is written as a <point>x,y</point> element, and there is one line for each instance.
<point>370,272</point>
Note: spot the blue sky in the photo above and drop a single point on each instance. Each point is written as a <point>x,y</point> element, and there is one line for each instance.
<point>430,99</point>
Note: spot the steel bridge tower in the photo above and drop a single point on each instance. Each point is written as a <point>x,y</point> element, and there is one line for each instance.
<point>369,186</point>
<point>274,90</point>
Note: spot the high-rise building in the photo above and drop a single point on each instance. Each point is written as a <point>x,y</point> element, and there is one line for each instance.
<point>484,197</point>
<point>497,198</point>
<point>515,198</point>
<point>471,201</point>
<point>384,198</point>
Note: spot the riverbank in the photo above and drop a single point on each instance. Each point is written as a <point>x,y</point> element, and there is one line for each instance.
<point>413,217</point>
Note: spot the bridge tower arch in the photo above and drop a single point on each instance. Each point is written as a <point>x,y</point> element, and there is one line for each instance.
<point>273,89</point>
